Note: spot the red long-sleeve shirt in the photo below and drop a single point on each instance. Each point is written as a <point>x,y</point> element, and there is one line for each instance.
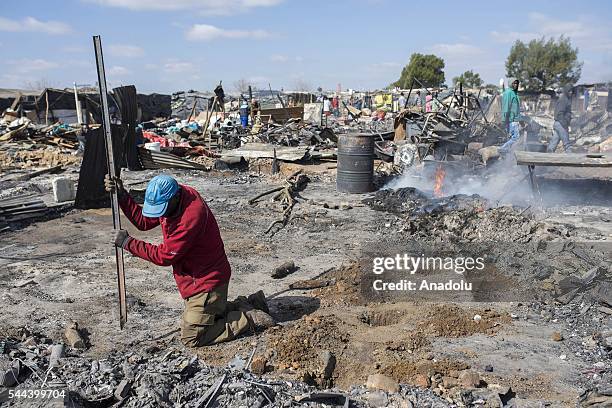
<point>192,243</point>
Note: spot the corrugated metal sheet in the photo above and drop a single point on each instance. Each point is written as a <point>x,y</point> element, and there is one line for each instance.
<point>151,159</point>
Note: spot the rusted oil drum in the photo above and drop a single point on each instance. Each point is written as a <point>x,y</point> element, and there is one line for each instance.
<point>355,173</point>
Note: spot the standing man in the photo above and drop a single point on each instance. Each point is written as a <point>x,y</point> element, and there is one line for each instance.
<point>563,117</point>
<point>335,106</point>
<point>401,102</point>
<point>254,109</point>
<point>326,106</point>
<point>428,102</point>
<point>220,94</point>
<point>417,99</point>
<point>436,106</point>
<point>511,110</point>
<point>192,245</point>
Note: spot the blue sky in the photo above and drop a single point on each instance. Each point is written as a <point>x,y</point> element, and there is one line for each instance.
<point>168,45</point>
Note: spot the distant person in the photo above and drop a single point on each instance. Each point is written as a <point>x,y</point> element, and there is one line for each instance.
<point>401,101</point>
<point>335,104</point>
<point>511,111</point>
<point>563,116</point>
<point>220,94</point>
<point>358,104</point>
<point>255,108</point>
<point>586,99</point>
<point>593,100</point>
<point>326,106</point>
<point>436,106</point>
<point>417,100</point>
<point>428,102</point>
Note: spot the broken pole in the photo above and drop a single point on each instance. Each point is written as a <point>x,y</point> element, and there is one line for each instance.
<point>77,104</point>
<point>113,173</point>
<point>195,101</point>
<point>208,115</point>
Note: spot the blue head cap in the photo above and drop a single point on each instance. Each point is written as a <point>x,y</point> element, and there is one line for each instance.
<point>159,191</point>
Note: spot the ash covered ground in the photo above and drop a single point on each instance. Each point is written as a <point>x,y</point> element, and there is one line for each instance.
<point>540,334</point>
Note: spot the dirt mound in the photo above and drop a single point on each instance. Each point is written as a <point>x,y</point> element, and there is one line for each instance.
<point>309,349</point>
<point>344,286</point>
<point>411,343</point>
<point>379,318</point>
<point>298,347</point>
<point>452,321</point>
<point>409,372</point>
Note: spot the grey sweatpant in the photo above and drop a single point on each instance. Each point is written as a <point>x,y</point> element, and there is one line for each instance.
<point>559,133</point>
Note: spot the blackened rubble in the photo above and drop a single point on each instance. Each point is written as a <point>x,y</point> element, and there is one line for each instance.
<point>162,375</point>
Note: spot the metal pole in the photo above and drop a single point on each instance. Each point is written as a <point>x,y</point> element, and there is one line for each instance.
<point>111,170</point>
<point>78,106</point>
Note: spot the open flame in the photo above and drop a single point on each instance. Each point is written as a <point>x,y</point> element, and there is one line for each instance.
<point>440,173</point>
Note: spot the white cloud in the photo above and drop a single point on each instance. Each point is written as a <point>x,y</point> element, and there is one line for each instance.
<point>211,7</point>
<point>125,50</point>
<point>207,32</point>
<point>455,51</point>
<point>30,65</point>
<point>30,24</point>
<point>75,49</point>
<point>258,80</point>
<point>118,70</point>
<point>285,58</point>
<point>586,33</point>
<point>279,58</point>
<point>384,65</point>
<point>177,67</point>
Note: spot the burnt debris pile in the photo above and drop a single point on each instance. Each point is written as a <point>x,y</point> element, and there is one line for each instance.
<point>463,218</point>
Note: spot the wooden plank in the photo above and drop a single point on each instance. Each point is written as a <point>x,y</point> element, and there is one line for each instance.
<point>266,151</point>
<point>281,115</point>
<point>563,159</point>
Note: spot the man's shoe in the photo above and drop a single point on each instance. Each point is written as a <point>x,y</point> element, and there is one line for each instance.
<point>258,301</point>
<point>259,320</point>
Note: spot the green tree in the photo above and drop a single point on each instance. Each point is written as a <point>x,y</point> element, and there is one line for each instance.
<point>469,79</point>
<point>543,64</point>
<point>428,69</point>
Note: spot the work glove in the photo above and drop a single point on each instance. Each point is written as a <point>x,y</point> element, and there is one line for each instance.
<point>120,238</point>
<point>112,184</point>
